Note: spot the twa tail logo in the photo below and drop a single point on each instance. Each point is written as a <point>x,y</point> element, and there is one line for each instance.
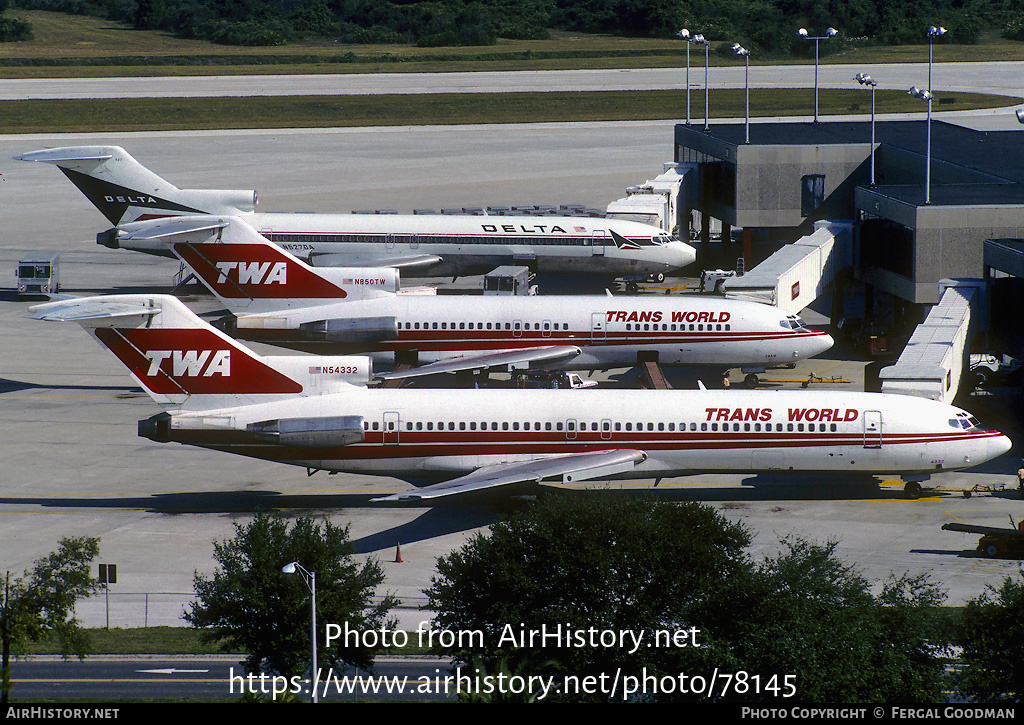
<point>255,271</point>
<point>193,361</point>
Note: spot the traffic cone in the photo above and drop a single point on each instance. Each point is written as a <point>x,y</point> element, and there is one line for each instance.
<point>398,554</point>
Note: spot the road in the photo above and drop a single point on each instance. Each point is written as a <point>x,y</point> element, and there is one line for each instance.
<point>1004,78</point>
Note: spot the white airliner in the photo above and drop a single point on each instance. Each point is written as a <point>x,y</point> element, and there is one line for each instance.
<point>304,411</point>
<point>276,298</point>
<point>432,244</point>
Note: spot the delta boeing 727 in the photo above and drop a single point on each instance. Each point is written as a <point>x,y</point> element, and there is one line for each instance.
<point>432,245</point>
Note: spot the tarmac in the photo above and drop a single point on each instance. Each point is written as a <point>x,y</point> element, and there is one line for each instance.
<point>73,464</point>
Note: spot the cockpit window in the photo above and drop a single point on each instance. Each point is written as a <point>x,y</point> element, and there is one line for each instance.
<point>966,422</point>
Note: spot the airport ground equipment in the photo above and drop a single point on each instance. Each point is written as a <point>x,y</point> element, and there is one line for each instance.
<point>994,541</point>
<point>39,273</point>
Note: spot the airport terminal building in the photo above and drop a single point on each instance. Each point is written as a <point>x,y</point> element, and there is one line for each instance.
<point>790,175</point>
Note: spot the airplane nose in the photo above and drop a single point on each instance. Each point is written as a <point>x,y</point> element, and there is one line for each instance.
<point>998,446</point>
<point>823,343</point>
<point>679,254</point>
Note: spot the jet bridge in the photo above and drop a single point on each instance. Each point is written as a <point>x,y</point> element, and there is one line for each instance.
<point>933,360</point>
<point>663,201</point>
<point>796,275</point>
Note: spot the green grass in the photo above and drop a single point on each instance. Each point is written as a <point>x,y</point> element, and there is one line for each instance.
<point>168,114</point>
<point>78,46</point>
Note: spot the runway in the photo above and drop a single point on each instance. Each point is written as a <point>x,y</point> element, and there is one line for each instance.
<point>73,464</point>
<point>1003,78</point>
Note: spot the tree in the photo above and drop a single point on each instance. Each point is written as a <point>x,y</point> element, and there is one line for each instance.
<point>42,601</point>
<point>249,604</point>
<point>584,561</point>
<point>992,636</point>
<point>806,613</point>
<point>646,566</point>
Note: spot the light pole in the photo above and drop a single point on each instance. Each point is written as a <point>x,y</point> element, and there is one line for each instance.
<point>926,96</point>
<point>828,34</point>
<point>684,34</point>
<point>865,80</point>
<point>701,40</point>
<point>932,32</point>
<point>740,50</point>
<point>309,577</point>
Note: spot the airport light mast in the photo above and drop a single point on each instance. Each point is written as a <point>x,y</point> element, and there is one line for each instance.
<point>684,34</point>
<point>740,50</point>
<point>802,32</point>
<point>865,80</point>
<point>309,577</point>
<point>932,32</point>
<point>699,39</point>
<point>926,96</point>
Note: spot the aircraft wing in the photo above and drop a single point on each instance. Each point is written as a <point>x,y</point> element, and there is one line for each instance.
<point>568,468</point>
<point>398,261</point>
<point>983,530</point>
<point>543,353</point>
<point>84,308</point>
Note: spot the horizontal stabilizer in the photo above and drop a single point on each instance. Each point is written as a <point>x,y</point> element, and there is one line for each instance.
<point>173,227</point>
<point>64,155</point>
<point>84,308</point>
<point>542,354</point>
<point>568,468</point>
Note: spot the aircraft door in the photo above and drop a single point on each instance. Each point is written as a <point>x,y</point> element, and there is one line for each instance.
<point>570,429</point>
<point>598,331</point>
<point>872,429</point>
<point>606,429</point>
<point>546,328</point>
<point>389,242</point>
<point>517,328</point>
<point>392,427</point>
<point>597,241</point>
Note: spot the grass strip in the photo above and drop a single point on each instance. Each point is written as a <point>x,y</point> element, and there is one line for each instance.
<point>171,114</point>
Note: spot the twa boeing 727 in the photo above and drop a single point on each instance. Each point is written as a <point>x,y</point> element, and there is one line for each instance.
<point>304,411</point>
<point>420,245</point>
<point>276,298</point>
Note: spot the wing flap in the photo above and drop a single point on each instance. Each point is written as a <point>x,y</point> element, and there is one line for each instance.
<point>544,353</point>
<point>569,468</point>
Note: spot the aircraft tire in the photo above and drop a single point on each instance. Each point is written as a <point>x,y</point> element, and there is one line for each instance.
<point>751,381</point>
<point>632,288</point>
<point>991,551</point>
<point>912,490</point>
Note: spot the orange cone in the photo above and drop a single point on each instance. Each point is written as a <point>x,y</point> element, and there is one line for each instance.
<point>398,554</point>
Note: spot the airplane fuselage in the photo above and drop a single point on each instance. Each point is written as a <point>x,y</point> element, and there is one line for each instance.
<point>424,435</point>
<point>440,245</point>
<point>610,331</point>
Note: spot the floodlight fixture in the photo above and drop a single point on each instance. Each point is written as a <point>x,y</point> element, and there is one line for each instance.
<point>802,32</point>
<point>865,80</point>
<point>740,50</point>
<point>926,96</point>
<point>309,577</point>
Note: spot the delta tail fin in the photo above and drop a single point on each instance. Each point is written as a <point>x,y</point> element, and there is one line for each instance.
<point>125,191</point>
<point>180,360</point>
